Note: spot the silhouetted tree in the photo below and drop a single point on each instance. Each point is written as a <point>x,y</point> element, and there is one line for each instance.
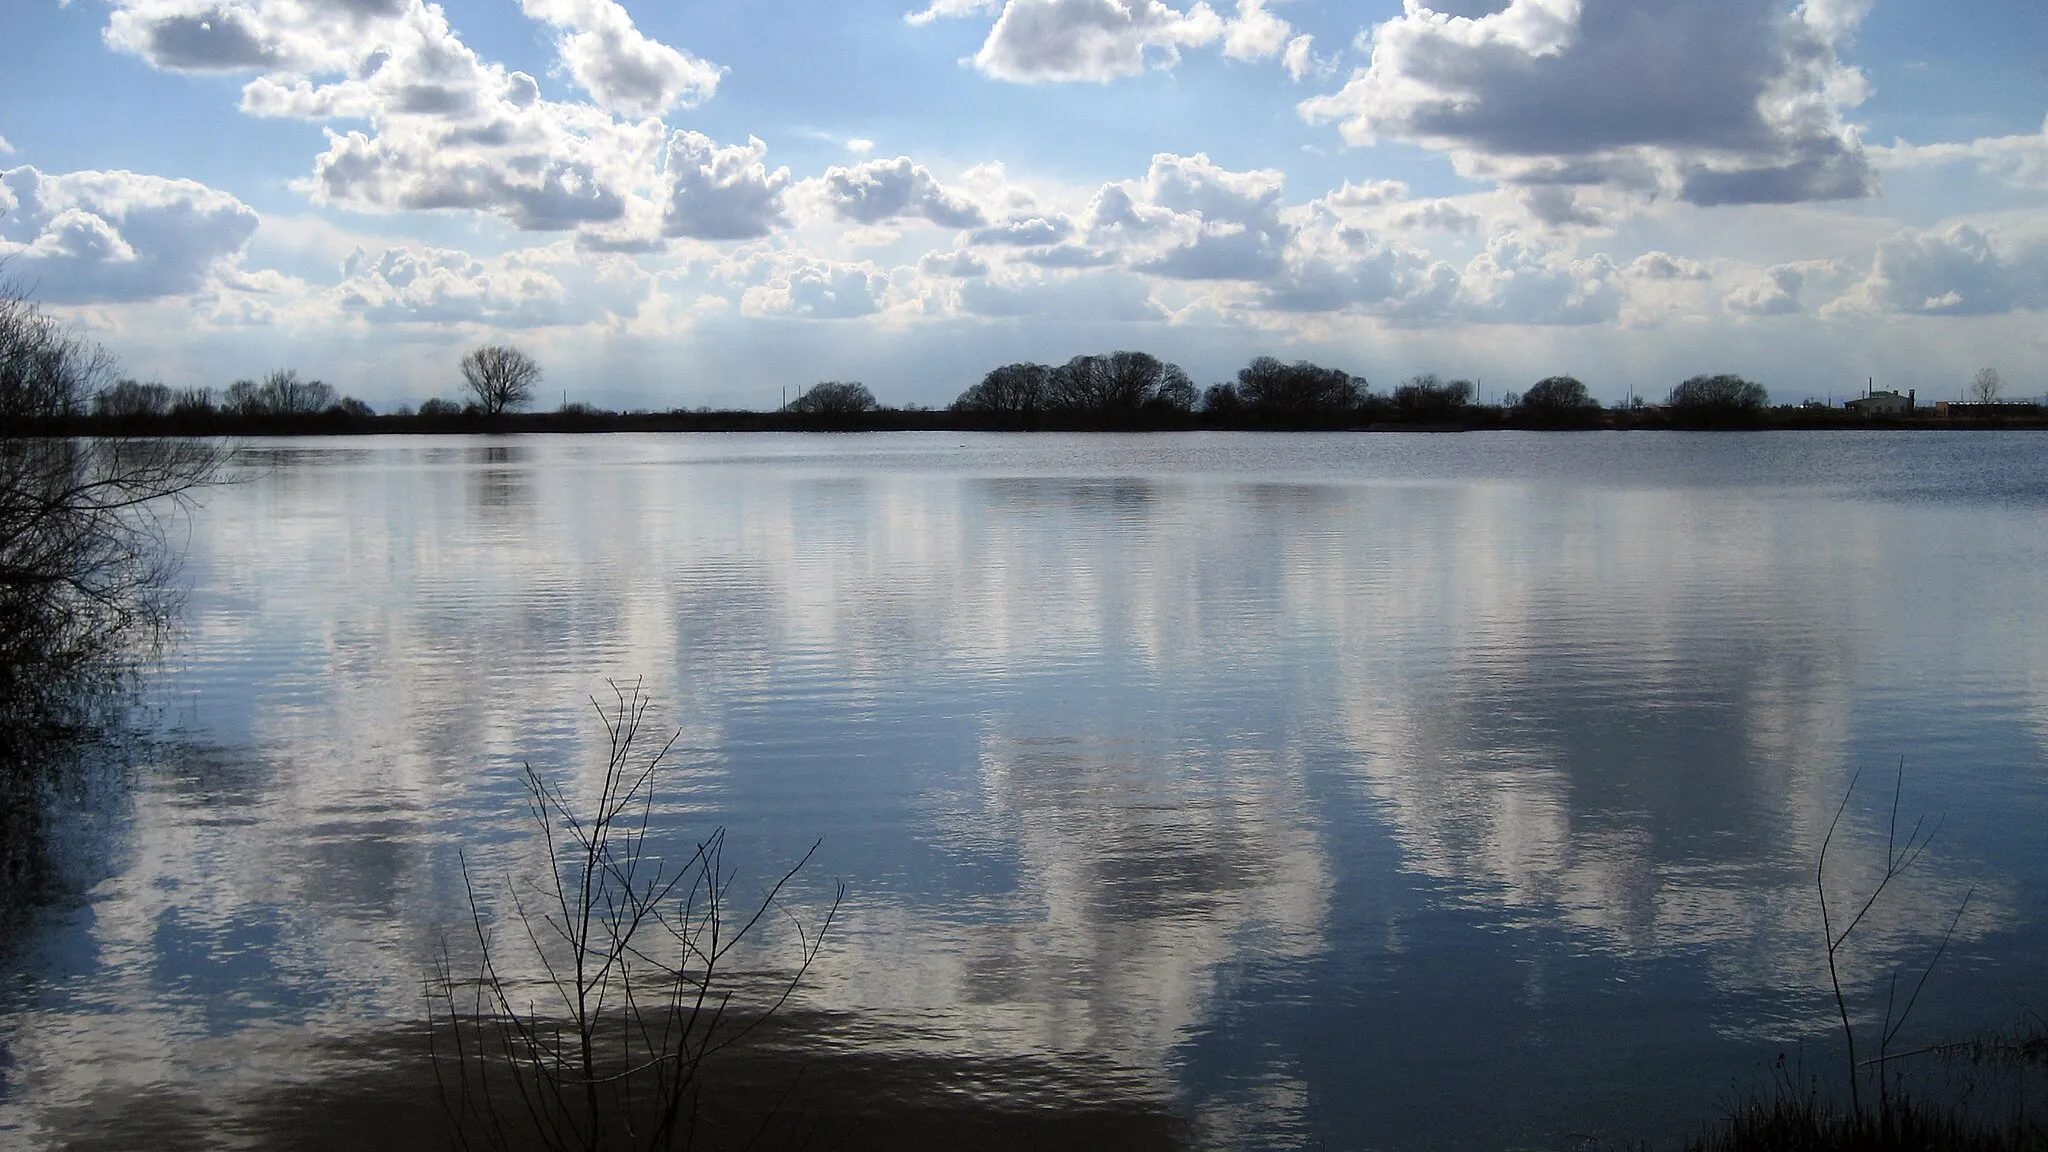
<point>280,393</point>
<point>1986,386</point>
<point>129,399</point>
<point>501,377</point>
<point>1222,399</point>
<point>1014,388</point>
<point>1556,394</point>
<point>46,372</point>
<point>83,564</point>
<point>193,402</point>
<point>1428,396</point>
<point>835,398</point>
<point>1267,385</point>
<point>284,394</point>
<point>436,406</point>
<point>1719,396</point>
<point>1175,392</point>
<point>1121,382</point>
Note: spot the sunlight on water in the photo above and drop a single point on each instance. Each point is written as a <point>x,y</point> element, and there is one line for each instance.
<point>1380,789</point>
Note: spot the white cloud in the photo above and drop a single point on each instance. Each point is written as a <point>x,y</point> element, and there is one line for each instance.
<point>721,193</point>
<point>1089,40</point>
<point>1300,59</point>
<point>1516,282</point>
<point>6,149</point>
<point>525,289</point>
<point>1665,266</point>
<point>1026,231</point>
<point>189,37</point>
<point>1336,263</point>
<point>621,68</point>
<point>1775,293</point>
<point>1436,215</point>
<point>1036,41</point>
<point>2018,160</point>
<point>956,265</point>
<point>860,145</point>
<point>1557,206</point>
<point>896,189</point>
<point>1190,219</point>
<point>448,131</point>
<point>1094,299</point>
<point>948,9</point>
<point>798,285</point>
<point>1959,270</point>
<point>1255,34</point>
<point>117,236</point>
<point>1715,101</point>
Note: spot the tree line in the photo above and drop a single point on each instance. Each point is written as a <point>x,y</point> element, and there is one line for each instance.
<point>1123,388</point>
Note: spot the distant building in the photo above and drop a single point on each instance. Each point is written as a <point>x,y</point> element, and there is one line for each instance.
<point>1883,404</point>
<point>1999,410</point>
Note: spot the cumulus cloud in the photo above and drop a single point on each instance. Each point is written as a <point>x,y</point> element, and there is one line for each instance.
<point>1559,206</point>
<point>1958,270</point>
<point>893,190</point>
<point>721,193</point>
<point>450,131</point>
<point>1255,34</point>
<point>1025,231</point>
<point>1191,219</point>
<point>1665,266</point>
<point>431,285</point>
<point>798,285</point>
<point>1301,61</point>
<point>1516,282</point>
<point>1436,215</point>
<point>192,37</point>
<point>1035,41</point>
<point>1335,261</point>
<point>623,70</point>
<point>1715,101</point>
<point>1776,292</point>
<point>956,265</point>
<point>117,236</point>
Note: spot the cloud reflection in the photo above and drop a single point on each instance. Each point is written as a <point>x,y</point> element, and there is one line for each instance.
<point>1085,745</point>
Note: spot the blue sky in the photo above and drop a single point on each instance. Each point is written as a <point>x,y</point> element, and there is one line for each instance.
<point>701,203</point>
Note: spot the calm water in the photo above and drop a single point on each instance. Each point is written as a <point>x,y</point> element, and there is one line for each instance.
<point>1382,790</point>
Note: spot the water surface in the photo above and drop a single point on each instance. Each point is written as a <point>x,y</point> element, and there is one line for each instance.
<point>1385,790</point>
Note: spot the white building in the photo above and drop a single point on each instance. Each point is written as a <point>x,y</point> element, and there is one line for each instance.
<point>1883,404</point>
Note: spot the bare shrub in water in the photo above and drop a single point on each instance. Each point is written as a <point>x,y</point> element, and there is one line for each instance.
<point>85,559</point>
<point>633,990</point>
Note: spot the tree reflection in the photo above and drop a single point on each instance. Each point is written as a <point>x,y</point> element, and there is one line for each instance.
<point>85,562</point>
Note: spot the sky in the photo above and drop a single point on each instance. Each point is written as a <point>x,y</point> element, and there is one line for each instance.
<point>706,203</point>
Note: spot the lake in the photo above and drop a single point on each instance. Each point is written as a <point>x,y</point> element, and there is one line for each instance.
<point>1349,790</point>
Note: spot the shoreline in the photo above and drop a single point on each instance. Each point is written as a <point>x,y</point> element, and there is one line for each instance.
<point>337,423</point>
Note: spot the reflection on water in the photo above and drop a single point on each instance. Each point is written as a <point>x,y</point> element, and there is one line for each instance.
<point>1390,790</point>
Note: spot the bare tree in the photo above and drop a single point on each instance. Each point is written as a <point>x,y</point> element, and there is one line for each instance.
<point>618,985</point>
<point>501,377</point>
<point>83,555</point>
<point>1267,385</point>
<point>130,399</point>
<point>1016,388</point>
<point>1986,386</point>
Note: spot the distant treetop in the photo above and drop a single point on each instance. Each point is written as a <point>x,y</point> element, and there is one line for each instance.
<point>834,398</point>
